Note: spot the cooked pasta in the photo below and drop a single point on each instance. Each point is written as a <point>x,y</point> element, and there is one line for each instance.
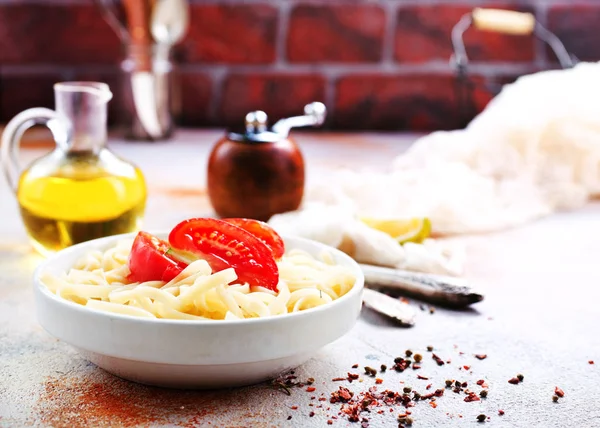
<point>99,281</point>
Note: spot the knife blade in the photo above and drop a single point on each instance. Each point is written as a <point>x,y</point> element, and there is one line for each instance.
<point>381,303</point>
<point>444,290</point>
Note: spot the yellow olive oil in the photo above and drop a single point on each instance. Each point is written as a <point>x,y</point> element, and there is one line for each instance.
<point>84,198</point>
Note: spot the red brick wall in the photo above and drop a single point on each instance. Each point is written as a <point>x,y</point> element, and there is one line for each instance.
<point>376,64</point>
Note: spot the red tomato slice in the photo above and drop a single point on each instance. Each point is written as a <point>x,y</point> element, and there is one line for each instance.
<point>262,231</point>
<point>149,261</point>
<point>224,245</point>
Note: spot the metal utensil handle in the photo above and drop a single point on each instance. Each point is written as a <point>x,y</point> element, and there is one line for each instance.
<point>314,115</point>
<point>11,138</point>
<point>503,21</point>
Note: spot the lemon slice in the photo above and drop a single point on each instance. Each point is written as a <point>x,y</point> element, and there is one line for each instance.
<point>402,230</point>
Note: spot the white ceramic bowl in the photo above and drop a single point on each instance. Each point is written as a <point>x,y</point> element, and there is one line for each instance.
<point>194,354</point>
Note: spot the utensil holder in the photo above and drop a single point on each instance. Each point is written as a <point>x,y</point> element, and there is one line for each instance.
<point>155,100</point>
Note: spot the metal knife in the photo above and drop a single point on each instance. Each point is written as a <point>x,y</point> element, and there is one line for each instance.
<point>444,290</point>
<point>393,308</point>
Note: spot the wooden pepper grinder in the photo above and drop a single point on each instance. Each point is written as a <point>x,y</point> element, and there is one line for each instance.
<point>260,172</point>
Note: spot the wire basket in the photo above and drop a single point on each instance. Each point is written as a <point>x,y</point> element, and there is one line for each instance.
<point>504,22</point>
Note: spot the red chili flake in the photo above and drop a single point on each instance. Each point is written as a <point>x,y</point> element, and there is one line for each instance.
<point>311,389</point>
<point>439,392</point>
<point>428,386</point>
<point>343,395</point>
<point>322,399</point>
<point>311,414</point>
<point>591,362</point>
<point>329,422</point>
<point>294,407</point>
<point>559,392</point>
<point>403,415</point>
<point>448,361</point>
<point>433,404</point>
<point>354,366</point>
<point>514,380</point>
<point>352,376</point>
<point>466,367</point>
<point>437,359</point>
<point>472,397</point>
<point>480,382</point>
<point>464,384</point>
<point>378,381</point>
<point>422,377</point>
<point>416,366</point>
<point>481,356</point>
<point>338,379</point>
<point>501,412</point>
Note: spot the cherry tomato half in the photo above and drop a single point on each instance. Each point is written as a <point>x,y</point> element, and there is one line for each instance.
<point>262,231</point>
<point>224,245</point>
<point>149,261</point>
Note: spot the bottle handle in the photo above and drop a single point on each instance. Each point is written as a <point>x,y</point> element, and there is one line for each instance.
<point>11,138</point>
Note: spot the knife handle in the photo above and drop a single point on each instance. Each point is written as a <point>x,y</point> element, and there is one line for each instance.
<point>138,21</point>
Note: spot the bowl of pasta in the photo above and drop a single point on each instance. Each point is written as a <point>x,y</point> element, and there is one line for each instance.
<point>210,304</point>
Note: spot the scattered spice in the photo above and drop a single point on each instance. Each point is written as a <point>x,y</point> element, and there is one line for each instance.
<point>311,389</point>
<point>310,380</point>
<point>370,371</point>
<point>422,377</point>
<point>354,366</point>
<point>311,414</point>
<point>483,393</point>
<point>289,417</point>
<point>448,383</point>
<point>430,348</point>
<point>418,358</point>
<point>472,397</point>
<point>431,310</point>
<point>433,404</point>
<point>378,381</point>
<point>466,367</point>
<point>352,376</point>
<point>294,407</point>
<point>559,392</point>
<point>520,377</point>
<point>329,422</point>
<point>591,362</point>
<point>501,412</point>
<point>514,380</point>
<point>400,364</point>
<point>338,379</point>
<point>555,398</point>
<point>416,366</point>
<point>480,382</point>
<point>343,395</point>
<point>408,352</point>
<point>407,389</point>
<point>383,367</point>
<point>405,419</point>
<point>437,359</point>
<point>481,418</point>
<point>481,356</point>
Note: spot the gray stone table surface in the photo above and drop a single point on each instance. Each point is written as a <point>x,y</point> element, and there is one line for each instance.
<point>541,318</point>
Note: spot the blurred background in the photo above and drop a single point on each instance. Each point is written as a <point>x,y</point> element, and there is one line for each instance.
<point>377,65</point>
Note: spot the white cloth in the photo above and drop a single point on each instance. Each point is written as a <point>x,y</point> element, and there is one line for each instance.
<point>534,150</point>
